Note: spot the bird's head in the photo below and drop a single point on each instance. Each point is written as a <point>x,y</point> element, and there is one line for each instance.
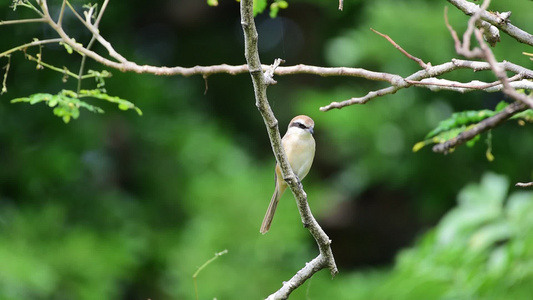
<point>302,122</point>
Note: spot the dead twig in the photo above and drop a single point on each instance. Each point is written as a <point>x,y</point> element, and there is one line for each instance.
<point>416,59</point>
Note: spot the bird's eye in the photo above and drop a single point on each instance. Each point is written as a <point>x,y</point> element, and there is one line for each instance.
<point>302,126</point>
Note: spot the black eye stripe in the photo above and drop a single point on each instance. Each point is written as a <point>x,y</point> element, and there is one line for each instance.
<point>299,125</point>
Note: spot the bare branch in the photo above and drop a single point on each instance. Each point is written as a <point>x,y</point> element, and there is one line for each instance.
<point>416,59</point>
<point>101,13</point>
<point>500,20</point>
<point>524,184</point>
<point>296,280</point>
<point>93,30</point>
<point>431,71</point>
<point>435,84</point>
<point>361,100</point>
<point>325,259</point>
<point>482,126</point>
<point>484,52</point>
<point>61,13</point>
<point>31,44</point>
<point>500,73</point>
<point>6,67</point>
<point>11,22</point>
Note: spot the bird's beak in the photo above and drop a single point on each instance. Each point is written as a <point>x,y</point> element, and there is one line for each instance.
<point>311,130</point>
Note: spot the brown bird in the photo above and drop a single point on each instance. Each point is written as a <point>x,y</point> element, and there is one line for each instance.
<point>299,145</point>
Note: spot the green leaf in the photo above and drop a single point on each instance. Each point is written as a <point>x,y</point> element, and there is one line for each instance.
<point>259,6</point>
<point>473,141</point>
<point>75,113</point>
<point>274,9</point>
<point>420,145</point>
<point>489,235</point>
<point>138,110</point>
<point>53,102</point>
<point>458,123</point>
<point>35,98</point>
<point>67,103</point>
<point>501,106</point>
<point>123,104</point>
<point>212,2</point>
<point>67,47</point>
<point>461,118</point>
<point>526,115</point>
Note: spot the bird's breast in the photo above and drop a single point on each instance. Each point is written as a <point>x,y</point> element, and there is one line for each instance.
<point>300,152</point>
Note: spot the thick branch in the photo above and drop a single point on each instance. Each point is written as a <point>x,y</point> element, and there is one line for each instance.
<point>325,259</point>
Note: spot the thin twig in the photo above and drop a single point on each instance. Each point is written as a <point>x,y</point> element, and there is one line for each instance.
<point>524,184</point>
<point>89,45</point>
<point>51,67</point>
<point>112,52</point>
<point>63,70</point>
<point>6,67</point>
<point>203,266</point>
<point>12,22</point>
<point>416,59</point>
<point>61,13</point>
<point>463,87</point>
<point>31,44</point>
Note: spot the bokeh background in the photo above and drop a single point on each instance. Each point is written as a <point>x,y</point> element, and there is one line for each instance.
<point>121,206</point>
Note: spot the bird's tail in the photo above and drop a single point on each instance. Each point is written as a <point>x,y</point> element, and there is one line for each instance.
<point>269,216</point>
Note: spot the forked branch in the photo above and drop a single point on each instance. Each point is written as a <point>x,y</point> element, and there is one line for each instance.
<point>260,81</point>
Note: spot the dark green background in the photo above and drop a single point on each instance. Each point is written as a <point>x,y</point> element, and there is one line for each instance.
<point>118,206</point>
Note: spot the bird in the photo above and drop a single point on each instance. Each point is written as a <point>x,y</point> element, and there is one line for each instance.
<point>299,146</point>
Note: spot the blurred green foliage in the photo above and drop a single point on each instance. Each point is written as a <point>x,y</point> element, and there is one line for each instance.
<point>481,249</point>
<point>122,206</point>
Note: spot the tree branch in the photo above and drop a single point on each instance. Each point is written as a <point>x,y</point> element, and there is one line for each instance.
<point>484,52</point>
<point>433,71</point>
<point>11,22</point>
<point>420,62</point>
<point>31,44</point>
<point>260,82</point>
<point>435,84</point>
<point>500,20</point>
<point>481,127</point>
<point>422,78</point>
<point>500,73</point>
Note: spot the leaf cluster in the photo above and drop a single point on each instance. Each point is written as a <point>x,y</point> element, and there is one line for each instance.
<point>460,122</point>
<point>481,249</point>
<point>66,104</point>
